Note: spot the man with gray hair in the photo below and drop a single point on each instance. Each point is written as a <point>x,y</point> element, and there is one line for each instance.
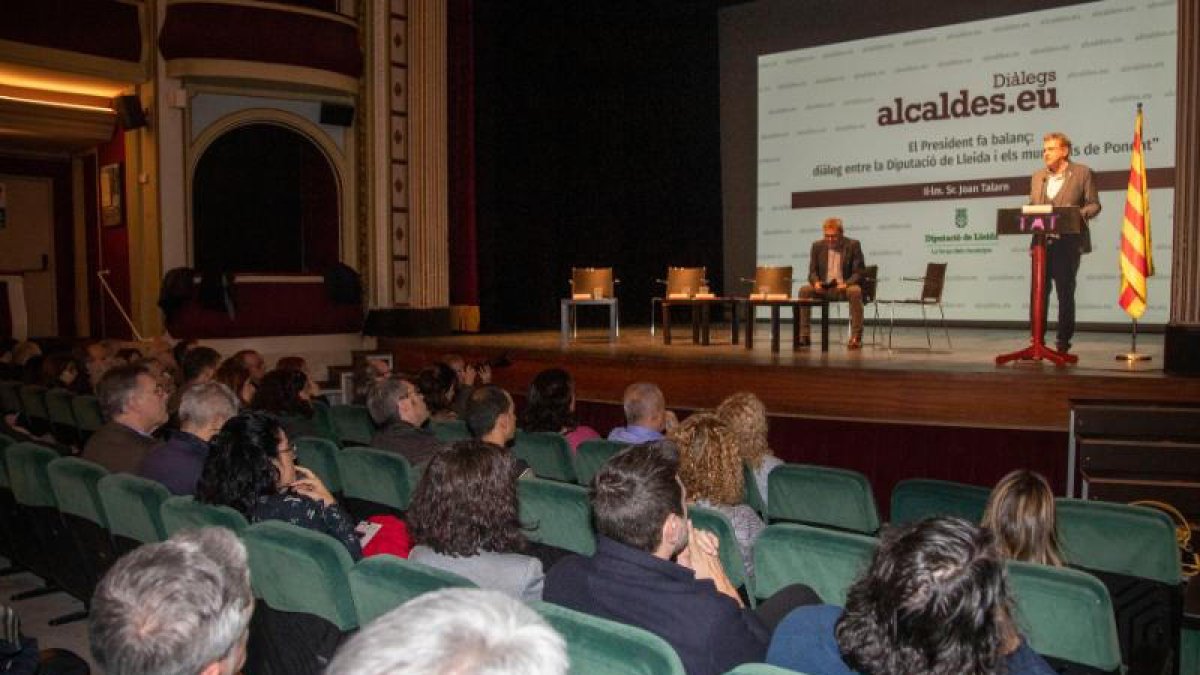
<point>177,464</point>
<point>180,607</point>
<point>399,411</point>
<point>646,415</point>
<point>457,631</point>
<point>135,404</point>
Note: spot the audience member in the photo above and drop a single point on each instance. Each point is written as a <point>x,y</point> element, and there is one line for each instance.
<point>398,410</point>
<point>254,362</point>
<point>551,407</point>
<point>468,375</point>
<point>710,467</point>
<point>61,371</point>
<point>301,364</point>
<point>251,467</point>
<point>1020,513</point>
<point>99,360</point>
<point>369,371</point>
<point>746,417</point>
<point>180,607</point>
<point>135,405</point>
<point>234,374</point>
<point>455,631</point>
<point>199,366</point>
<point>437,383</point>
<point>287,395</point>
<point>492,418</point>
<point>933,600</point>
<point>463,518</point>
<point>641,527</point>
<point>203,410</point>
<point>646,415</point>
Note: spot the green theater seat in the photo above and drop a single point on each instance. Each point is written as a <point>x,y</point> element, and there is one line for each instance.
<point>598,646</point>
<point>134,508</point>
<point>184,513</point>
<point>827,561</point>
<point>559,513</point>
<point>1066,614</point>
<point>383,582</point>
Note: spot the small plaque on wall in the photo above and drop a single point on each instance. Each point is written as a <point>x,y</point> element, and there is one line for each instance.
<point>112,210</point>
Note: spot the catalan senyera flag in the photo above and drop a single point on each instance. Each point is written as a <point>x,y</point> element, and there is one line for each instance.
<point>1136,261</point>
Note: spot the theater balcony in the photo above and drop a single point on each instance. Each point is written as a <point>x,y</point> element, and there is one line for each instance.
<point>280,45</point>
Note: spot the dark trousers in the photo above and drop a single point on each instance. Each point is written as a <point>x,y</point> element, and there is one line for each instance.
<point>773,610</point>
<point>1062,266</point>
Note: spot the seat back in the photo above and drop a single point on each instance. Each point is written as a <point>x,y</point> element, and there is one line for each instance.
<point>134,507</point>
<point>76,485</point>
<point>5,441</point>
<point>10,396</point>
<point>185,513</point>
<point>320,455</point>
<point>61,414</point>
<point>374,475</point>
<point>547,452</point>
<point>591,455</point>
<point>751,496</point>
<point>822,496</point>
<point>761,669</point>
<point>918,498</point>
<point>352,424</point>
<point>731,556</point>
<point>381,583</point>
<point>935,282</point>
<point>588,279</point>
<point>686,280</point>
<point>776,279</point>
<point>1066,614</point>
<point>449,431</point>
<point>33,401</point>
<point>1134,540</point>
<point>870,283</point>
<point>28,474</point>
<point>604,647</point>
<point>559,513</point>
<point>827,561</point>
<point>87,411</point>
<point>294,569</point>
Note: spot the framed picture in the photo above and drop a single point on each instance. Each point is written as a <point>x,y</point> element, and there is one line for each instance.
<point>112,190</point>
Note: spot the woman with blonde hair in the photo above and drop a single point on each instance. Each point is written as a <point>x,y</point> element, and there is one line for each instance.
<point>746,417</point>
<point>710,468</point>
<point>1020,512</point>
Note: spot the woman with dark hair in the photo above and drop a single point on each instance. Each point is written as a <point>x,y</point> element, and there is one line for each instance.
<point>934,601</point>
<point>61,370</point>
<point>287,394</point>
<point>551,407</point>
<point>463,518</point>
<point>234,374</point>
<point>1020,513</point>
<point>437,383</point>
<point>251,467</point>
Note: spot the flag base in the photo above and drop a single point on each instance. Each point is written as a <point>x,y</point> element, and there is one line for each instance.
<point>1133,357</point>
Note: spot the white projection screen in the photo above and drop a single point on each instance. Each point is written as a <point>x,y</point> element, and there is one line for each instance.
<point>916,139</point>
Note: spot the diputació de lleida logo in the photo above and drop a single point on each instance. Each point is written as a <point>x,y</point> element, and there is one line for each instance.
<point>960,218</point>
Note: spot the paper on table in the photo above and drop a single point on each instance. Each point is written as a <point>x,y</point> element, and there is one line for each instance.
<point>581,296</point>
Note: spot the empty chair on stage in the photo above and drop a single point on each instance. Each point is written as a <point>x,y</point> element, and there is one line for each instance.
<point>590,286</point>
<point>772,282</point>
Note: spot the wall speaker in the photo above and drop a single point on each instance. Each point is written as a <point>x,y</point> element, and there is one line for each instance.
<point>130,114</point>
<point>337,114</point>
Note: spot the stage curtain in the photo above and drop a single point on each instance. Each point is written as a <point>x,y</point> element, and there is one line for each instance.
<point>464,259</point>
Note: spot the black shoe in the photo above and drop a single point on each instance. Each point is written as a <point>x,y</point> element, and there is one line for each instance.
<point>1062,347</point>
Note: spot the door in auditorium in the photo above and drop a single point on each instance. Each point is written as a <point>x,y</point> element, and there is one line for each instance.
<point>26,236</point>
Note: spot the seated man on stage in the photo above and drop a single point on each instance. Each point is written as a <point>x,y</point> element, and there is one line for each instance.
<point>835,269</point>
<point>1064,183</point>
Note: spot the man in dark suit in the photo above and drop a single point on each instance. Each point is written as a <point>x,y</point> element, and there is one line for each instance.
<point>835,270</point>
<point>1064,183</point>
<point>135,405</point>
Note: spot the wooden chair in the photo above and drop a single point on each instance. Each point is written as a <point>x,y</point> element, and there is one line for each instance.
<point>933,283</point>
<point>681,283</point>
<point>590,286</point>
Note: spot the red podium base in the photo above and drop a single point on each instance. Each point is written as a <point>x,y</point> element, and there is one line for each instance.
<point>1036,352</point>
<point>1037,349</point>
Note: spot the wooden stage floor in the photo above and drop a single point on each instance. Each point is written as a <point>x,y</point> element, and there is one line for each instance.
<point>909,384</point>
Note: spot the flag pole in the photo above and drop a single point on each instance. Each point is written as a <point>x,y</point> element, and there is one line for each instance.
<point>1133,356</point>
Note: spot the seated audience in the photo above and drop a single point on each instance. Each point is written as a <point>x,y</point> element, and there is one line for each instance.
<point>467,376</point>
<point>654,571</point>
<point>746,417</point>
<point>99,360</point>
<point>646,415</point>
<point>253,361</point>
<point>1020,514</point>
<point>301,364</point>
<point>551,407</point>
<point>199,366</point>
<point>933,600</point>
<point>134,405</point>
<point>463,518</point>
<point>465,631</point>
<point>710,467</point>
<point>251,467</point>
<point>61,371</point>
<point>492,418</point>
<point>398,410</point>
<point>287,395</point>
<point>203,410</point>
<point>234,374</point>
<point>182,607</point>
<point>437,383</point>
<point>369,372</point>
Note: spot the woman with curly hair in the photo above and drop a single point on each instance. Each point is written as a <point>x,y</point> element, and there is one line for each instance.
<point>463,519</point>
<point>933,601</point>
<point>287,394</point>
<point>746,417</point>
<point>710,468</point>
<point>437,384</point>
<point>251,467</point>
<point>551,407</point>
<point>1020,513</point>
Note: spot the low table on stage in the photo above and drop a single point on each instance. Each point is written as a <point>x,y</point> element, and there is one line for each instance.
<point>1040,223</point>
<point>701,308</point>
<point>753,303</point>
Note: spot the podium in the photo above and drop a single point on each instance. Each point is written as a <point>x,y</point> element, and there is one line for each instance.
<point>1040,222</point>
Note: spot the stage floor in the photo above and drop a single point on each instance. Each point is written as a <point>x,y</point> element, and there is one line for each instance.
<point>910,383</point>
